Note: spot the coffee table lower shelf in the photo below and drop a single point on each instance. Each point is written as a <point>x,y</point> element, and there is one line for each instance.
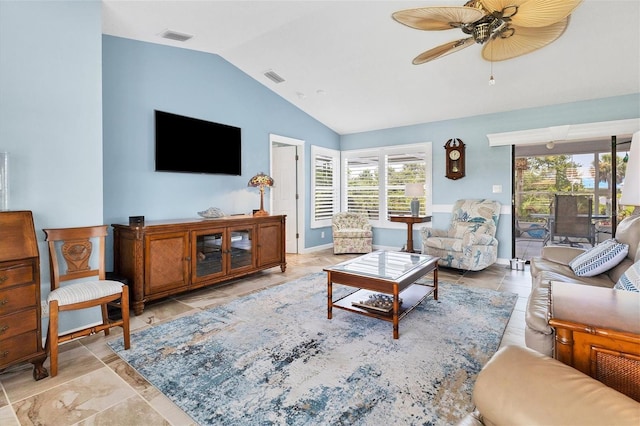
<point>411,297</point>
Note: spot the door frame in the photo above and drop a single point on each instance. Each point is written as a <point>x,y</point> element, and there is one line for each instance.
<point>300,219</point>
<point>570,133</point>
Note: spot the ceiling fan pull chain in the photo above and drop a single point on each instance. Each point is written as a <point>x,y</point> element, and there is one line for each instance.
<point>492,81</point>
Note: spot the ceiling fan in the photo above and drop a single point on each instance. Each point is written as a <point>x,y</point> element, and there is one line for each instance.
<point>506,28</point>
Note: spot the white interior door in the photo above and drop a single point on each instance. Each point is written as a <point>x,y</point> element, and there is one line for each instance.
<point>286,197</point>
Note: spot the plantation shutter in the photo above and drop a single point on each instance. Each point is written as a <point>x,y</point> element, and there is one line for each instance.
<point>325,195</point>
<point>402,169</point>
<point>363,188</point>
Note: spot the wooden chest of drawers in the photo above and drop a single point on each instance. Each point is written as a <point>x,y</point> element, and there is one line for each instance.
<point>20,326</point>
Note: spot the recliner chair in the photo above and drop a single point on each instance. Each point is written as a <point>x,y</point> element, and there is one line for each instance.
<point>469,243</point>
<point>519,386</point>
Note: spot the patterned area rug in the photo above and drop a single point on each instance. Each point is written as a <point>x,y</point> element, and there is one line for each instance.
<point>273,357</point>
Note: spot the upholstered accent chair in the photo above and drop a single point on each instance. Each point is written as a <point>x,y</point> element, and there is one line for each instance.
<point>469,243</point>
<point>351,233</point>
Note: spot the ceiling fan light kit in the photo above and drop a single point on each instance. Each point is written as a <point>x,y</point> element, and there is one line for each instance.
<point>506,28</point>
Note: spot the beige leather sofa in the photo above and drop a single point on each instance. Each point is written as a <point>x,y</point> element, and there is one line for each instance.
<point>553,265</point>
<point>520,386</point>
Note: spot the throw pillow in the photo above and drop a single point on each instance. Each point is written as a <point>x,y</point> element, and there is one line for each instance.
<point>599,259</point>
<point>630,280</point>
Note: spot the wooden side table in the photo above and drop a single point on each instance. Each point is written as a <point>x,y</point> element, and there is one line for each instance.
<point>598,332</point>
<point>410,220</point>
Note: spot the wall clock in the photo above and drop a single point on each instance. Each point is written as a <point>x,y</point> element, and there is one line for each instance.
<point>454,149</point>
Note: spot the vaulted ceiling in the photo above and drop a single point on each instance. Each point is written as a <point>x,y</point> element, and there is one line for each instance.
<point>348,63</point>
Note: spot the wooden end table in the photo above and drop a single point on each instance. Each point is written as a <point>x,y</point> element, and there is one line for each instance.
<point>598,332</point>
<point>410,220</point>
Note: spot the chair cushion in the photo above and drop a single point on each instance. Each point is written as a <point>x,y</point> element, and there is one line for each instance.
<point>352,233</point>
<point>630,280</point>
<point>451,244</point>
<point>82,292</point>
<point>599,259</point>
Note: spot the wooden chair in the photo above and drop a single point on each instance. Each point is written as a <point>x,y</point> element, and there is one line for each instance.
<point>76,258</point>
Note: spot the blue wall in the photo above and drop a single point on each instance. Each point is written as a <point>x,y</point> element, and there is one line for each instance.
<point>62,82</point>
<point>51,117</point>
<point>486,166</point>
<point>139,77</point>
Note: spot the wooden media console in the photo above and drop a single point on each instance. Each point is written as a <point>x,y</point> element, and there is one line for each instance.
<point>164,258</point>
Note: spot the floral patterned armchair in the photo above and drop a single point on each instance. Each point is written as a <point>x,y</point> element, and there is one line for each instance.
<point>470,242</point>
<point>351,233</point>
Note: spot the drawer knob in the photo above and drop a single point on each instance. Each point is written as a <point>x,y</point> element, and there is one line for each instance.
<point>4,354</point>
<point>4,302</point>
<point>3,328</point>
<point>3,278</point>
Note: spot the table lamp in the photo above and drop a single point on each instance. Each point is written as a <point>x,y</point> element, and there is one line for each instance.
<point>631,188</point>
<point>414,190</point>
<point>261,180</point>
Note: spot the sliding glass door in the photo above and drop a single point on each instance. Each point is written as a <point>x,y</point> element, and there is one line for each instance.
<point>578,168</point>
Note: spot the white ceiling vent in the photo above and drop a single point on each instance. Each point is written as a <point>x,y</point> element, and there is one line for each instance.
<point>174,35</point>
<point>271,75</point>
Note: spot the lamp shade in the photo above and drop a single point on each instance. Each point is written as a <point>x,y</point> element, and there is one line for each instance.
<point>261,180</point>
<point>414,190</point>
<point>631,188</point>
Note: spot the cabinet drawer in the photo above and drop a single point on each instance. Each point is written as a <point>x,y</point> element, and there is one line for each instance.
<point>17,298</point>
<point>18,347</point>
<point>18,323</point>
<point>18,274</point>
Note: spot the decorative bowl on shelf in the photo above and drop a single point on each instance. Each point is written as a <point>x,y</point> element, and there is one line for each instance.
<point>211,213</point>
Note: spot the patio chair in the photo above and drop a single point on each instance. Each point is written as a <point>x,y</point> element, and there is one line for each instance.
<point>572,220</point>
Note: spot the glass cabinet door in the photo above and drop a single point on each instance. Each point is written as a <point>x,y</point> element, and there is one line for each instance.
<point>241,247</point>
<point>209,255</point>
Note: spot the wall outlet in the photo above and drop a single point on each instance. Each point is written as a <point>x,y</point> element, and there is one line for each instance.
<point>497,189</point>
<point>322,234</point>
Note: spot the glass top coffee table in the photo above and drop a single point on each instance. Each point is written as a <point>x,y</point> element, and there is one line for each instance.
<point>386,284</point>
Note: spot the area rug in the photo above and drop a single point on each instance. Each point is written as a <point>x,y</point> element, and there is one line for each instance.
<point>273,358</point>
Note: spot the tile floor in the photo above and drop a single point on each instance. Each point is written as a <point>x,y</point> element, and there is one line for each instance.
<point>528,248</point>
<point>95,387</point>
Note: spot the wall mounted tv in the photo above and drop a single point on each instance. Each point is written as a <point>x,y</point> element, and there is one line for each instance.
<point>185,144</point>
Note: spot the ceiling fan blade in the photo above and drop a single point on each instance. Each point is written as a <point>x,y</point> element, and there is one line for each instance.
<point>437,18</point>
<point>500,5</point>
<point>443,50</point>
<point>543,13</point>
<point>524,40</point>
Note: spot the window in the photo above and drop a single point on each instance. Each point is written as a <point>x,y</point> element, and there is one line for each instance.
<point>325,185</point>
<point>373,180</point>
<point>584,169</point>
<point>363,185</point>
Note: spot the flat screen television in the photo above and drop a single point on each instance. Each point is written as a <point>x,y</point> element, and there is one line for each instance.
<point>191,145</point>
